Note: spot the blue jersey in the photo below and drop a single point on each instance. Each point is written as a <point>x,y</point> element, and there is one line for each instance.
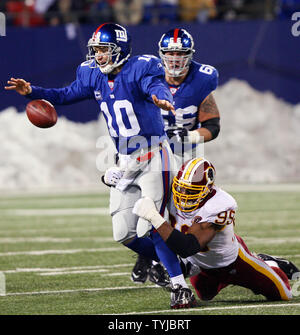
<point>132,118</point>
<point>200,82</point>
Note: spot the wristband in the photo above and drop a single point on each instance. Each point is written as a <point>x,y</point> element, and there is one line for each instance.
<point>156,219</point>
<point>194,136</point>
<point>213,125</point>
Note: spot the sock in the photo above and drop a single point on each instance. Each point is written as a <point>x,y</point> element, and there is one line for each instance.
<point>143,246</point>
<point>167,256</point>
<point>179,280</point>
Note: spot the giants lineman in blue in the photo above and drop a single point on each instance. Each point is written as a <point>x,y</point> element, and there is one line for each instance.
<point>130,92</point>
<point>197,116</point>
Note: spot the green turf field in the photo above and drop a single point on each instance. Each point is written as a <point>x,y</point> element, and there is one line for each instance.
<point>57,256</point>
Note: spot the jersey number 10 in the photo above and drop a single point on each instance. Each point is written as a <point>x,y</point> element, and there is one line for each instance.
<point>126,107</point>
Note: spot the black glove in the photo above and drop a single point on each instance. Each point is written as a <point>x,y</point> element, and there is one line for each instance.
<point>180,133</point>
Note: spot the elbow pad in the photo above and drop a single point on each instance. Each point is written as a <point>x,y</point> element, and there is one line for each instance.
<point>213,125</point>
<point>183,245</point>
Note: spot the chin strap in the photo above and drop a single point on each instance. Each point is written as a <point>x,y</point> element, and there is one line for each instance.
<point>106,69</point>
<point>110,67</point>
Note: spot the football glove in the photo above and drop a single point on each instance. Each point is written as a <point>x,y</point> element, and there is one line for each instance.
<point>183,135</point>
<point>179,132</point>
<point>112,176</point>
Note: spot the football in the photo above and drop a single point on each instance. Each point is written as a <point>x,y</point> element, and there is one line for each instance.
<point>41,113</point>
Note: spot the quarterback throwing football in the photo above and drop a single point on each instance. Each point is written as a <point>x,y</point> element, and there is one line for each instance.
<point>130,92</point>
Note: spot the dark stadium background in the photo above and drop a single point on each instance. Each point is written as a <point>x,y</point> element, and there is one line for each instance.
<point>264,52</point>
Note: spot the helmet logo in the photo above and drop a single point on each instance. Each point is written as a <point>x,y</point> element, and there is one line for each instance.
<point>121,35</point>
<point>197,219</point>
<point>96,37</point>
<point>172,44</point>
<point>210,175</point>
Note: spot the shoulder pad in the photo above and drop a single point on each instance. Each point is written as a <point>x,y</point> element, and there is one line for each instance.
<point>143,60</point>
<point>220,202</point>
<point>87,63</point>
<point>208,70</point>
<point>146,63</point>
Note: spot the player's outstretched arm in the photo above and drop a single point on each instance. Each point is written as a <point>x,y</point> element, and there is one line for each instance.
<point>184,245</point>
<point>21,86</point>
<point>163,104</point>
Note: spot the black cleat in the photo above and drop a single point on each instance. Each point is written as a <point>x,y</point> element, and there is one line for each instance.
<point>139,273</point>
<point>286,266</point>
<point>188,269</point>
<point>182,297</point>
<point>159,276</point>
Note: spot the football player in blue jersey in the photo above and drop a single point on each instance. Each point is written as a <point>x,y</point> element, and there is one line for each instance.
<point>130,92</point>
<point>196,120</point>
<point>197,117</point>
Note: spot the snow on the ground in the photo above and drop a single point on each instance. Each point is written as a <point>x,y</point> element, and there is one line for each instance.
<point>259,142</point>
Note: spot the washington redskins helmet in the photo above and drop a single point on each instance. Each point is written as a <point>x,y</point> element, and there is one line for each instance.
<point>176,40</point>
<point>116,39</point>
<point>192,184</point>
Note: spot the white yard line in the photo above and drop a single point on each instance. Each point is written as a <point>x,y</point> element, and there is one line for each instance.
<point>204,309</point>
<point>62,191</point>
<point>42,239</point>
<point>55,211</point>
<point>61,252</point>
<point>55,225</point>
<point>180,311</point>
<point>261,187</point>
<point>20,270</point>
<point>75,211</point>
<point>58,273</point>
<point>35,240</point>
<point>100,189</point>
<point>272,240</point>
<point>84,290</point>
